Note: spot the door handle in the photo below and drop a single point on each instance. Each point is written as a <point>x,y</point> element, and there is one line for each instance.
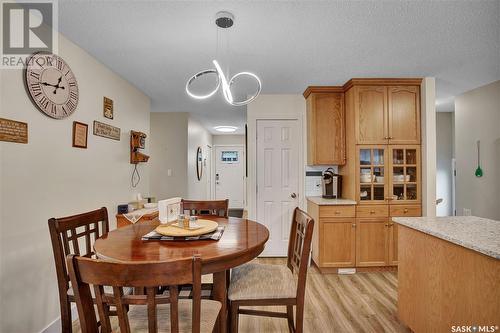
<point>293,195</point>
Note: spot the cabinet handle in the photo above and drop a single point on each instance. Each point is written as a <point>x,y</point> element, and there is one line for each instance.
<point>405,210</point>
<point>386,224</point>
<point>386,137</point>
<point>354,225</point>
<point>372,212</point>
<point>337,212</point>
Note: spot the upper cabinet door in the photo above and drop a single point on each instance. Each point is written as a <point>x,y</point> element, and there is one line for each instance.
<point>326,129</point>
<point>404,114</point>
<point>371,115</point>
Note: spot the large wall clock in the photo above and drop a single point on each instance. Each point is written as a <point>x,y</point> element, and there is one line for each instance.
<point>51,85</point>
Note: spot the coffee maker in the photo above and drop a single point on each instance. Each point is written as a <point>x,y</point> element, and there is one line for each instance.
<point>331,184</point>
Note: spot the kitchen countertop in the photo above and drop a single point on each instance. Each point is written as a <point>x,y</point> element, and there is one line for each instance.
<point>331,202</point>
<point>475,233</point>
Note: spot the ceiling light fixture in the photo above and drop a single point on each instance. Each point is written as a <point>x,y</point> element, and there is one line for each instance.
<point>225,129</point>
<point>224,20</point>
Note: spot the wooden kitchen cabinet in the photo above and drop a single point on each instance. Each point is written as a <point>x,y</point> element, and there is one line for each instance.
<point>371,242</point>
<point>387,114</point>
<point>338,242</point>
<point>325,128</point>
<point>404,174</point>
<point>370,112</point>
<point>334,236</point>
<point>371,169</point>
<point>388,174</point>
<point>404,114</point>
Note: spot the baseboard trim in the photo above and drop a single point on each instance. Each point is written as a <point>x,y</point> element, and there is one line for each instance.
<point>55,326</point>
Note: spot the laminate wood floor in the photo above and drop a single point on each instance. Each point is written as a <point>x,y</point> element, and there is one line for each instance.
<point>362,302</point>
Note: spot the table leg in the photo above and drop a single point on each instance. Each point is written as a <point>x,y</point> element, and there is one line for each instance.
<point>220,294</point>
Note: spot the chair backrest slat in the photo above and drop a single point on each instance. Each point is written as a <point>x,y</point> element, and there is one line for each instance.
<point>85,272</point>
<point>207,208</point>
<point>299,247</point>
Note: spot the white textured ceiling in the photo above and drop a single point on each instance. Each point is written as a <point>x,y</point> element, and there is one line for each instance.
<point>158,45</point>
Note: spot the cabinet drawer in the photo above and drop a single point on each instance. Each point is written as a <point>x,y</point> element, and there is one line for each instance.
<point>406,210</point>
<point>337,211</point>
<point>372,211</point>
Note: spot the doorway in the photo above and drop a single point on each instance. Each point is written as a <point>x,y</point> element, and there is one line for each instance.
<point>278,145</point>
<point>230,175</point>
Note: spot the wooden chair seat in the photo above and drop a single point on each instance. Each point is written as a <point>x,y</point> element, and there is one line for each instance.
<point>260,281</point>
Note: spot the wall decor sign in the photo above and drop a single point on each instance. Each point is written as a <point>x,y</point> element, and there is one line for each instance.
<point>106,131</point>
<point>108,108</point>
<point>80,134</point>
<point>13,131</point>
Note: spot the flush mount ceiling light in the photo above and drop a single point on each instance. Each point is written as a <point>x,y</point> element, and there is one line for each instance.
<point>225,129</point>
<point>224,20</point>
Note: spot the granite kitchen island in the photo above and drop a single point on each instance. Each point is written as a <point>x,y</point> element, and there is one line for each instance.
<point>449,273</point>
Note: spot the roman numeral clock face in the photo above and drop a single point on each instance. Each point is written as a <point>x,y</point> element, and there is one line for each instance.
<point>51,85</point>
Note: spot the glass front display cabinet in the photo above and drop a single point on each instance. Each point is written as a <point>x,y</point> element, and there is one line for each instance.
<point>388,174</point>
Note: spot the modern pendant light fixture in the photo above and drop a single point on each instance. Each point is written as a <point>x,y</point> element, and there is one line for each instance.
<point>224,20</point>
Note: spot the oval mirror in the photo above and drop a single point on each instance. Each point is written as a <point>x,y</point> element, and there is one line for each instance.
<point>199,163</point>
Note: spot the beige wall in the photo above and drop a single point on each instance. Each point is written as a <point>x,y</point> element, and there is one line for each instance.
<point>169,147</point>
<point>175,137</point>
<point>48,178</point>
<point>477,117</point>
<point>198,136</point>
<point>228,140</point>
<point>428,125</point>
<point>444,150</point>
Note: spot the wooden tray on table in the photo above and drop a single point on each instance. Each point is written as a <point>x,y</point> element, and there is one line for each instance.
<point>174,231</point>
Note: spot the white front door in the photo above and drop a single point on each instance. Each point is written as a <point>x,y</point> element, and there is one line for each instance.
<point>277,180</point>
<point>230,175</point>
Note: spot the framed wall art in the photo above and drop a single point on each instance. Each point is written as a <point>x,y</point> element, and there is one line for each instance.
<point>108,108</point>
<point>80,134</point>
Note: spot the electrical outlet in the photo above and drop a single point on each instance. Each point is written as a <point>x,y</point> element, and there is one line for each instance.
<point>169,172</point>
<point>467,212</point>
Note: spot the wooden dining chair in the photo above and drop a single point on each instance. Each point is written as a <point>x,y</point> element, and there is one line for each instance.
<point>74,235</point>
<point>147,313</point>
<point>255,284</point>
<point>208,208</point>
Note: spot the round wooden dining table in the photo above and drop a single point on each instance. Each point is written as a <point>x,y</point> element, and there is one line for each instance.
<point>242,241</point>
